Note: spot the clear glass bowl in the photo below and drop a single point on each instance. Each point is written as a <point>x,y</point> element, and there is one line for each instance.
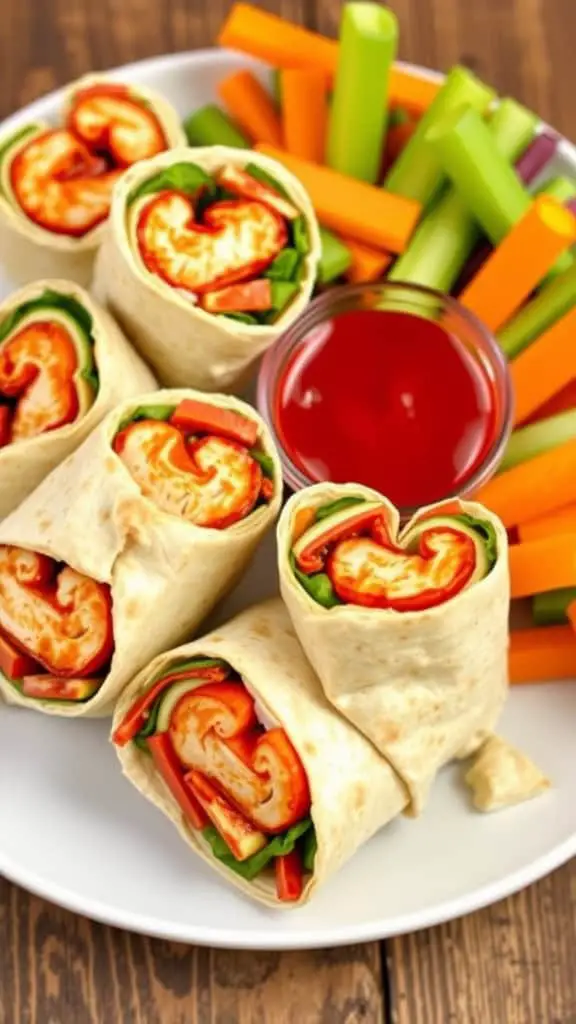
<point>394,297</point>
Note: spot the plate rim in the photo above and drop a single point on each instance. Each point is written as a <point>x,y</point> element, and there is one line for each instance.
<point>266,938</point>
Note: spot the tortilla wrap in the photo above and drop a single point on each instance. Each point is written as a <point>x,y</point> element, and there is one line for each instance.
<point>121,374</point>
<point>501,776</point>
<point>354,790</point>
<point>27,250</point>
<point>424,686</point>
<point>183,344</point>
<point>165,574</point>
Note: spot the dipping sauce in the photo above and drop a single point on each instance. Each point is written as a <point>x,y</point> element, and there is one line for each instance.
<point>387,399</point>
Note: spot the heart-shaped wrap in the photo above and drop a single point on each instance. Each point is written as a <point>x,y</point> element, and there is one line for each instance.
<point>185,344</point>
<point>121,373</point>
<point>425,686</point>
<point>29,248</point>
<point>165,573</point>
<point>353,790</point>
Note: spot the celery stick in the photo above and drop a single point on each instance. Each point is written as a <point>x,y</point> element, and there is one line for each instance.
<point>357,125</point>
<point>210,126</point>
<point>334,259</point>
<point>417,173</point>
<point>560,188</point>
<point>550,608</point>
<point>553,301</point>
<point>515,122</point>
<point>447,235</point>
<point>482,176</point>
<point>527,442</point>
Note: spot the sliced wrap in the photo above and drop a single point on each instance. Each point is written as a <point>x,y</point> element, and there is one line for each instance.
<point>123,511</point>
<point>64,363</point>
<point>351,791</point>
<point>200,315</point>
<point>52,225</point>
<point>424,677</point>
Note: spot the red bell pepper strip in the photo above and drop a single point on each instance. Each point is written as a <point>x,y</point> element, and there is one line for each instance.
<point>267,489</point>
<point>250,297</point>
<point>240,835</point>
<point>191,416</point>
<point>289,877</point>
<point>243,184</point>
<point>14,664</point>
<point>5,421</point>
<point>169,768</point>
<point>312,557</point>
<point>47,687</point>
<point>136,716</point>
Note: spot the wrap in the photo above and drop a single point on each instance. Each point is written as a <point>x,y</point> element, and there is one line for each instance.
<point>200,314</point>
<point>127,521</point>
<point>424,677</point>
<point>352,791</point>
<point>64,364</point>
<point>50,224</point>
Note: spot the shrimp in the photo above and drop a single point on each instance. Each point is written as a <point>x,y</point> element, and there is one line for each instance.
<point>109,120</point>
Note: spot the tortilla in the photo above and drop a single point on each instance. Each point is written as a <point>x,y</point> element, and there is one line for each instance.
<point>27,250</point>
<point>354,791</point>
<point>185,345</point>
<point>424,686</point>
<point>121,374</point>
<point>501,776</point>
<point>165,574</point>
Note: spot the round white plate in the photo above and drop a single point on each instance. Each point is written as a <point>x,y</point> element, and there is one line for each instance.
<point>73,830</point>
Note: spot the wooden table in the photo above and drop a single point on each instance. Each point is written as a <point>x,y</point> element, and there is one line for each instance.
<point>510,964</point>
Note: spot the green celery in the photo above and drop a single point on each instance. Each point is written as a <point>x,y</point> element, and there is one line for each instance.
<point>550,608</point>
<point>483,177</point>
<point>560,188</point>
<point>335,257</point>
<point>446,236</point>
<point>210,126</point>
<point>417,173</point>
<point>357,124</point>
<point>555,299</point>
<point>536,438</point>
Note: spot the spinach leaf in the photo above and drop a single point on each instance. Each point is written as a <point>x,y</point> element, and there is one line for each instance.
<point>253,865</point>
<point>309,845</point>
<point>285,266</point>
<point>257,172</point>
<point>49,300</point>
<point>183,177</point>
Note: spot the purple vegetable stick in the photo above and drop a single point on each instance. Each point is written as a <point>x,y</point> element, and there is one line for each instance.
<point>539,153</point>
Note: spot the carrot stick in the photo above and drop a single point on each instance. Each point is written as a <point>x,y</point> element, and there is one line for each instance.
<point>543,369</point>
<point>563,401</point>
<point>304,112</point>
<point>366,213</point>
<point>563,520</point>
<point>537,655</point>
<point>283,45</point>
<point>533,488</point>
<point>521,261</point>
<point>251,106</point>
<point>540,565</point>
<point>367,264</point>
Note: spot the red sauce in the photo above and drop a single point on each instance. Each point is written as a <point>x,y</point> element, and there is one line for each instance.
<point>386,399</point>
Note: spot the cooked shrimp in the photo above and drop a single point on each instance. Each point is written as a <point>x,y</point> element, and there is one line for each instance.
<point>108,119</point>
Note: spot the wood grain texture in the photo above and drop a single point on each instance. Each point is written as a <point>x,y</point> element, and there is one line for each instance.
<point>510,964</point>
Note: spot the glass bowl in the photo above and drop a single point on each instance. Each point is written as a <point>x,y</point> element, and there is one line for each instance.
<point>394,297</point>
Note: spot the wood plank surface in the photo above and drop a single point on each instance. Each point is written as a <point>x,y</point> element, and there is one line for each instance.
<point>513,963</point>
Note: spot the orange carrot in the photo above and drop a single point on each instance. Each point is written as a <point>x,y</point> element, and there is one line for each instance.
<point>365,212</point>
<point>533,488</point>
<point>521,261</point>
<point>537,655</point>
<point>563,520</point>
<point>367,264</point>
<point>251,107</point>
<point>305,113</point>
<point>540,565</point>
<point>283,45</point>
<point>397,137</point>
<point>561,402</point>
<point>547,366</point>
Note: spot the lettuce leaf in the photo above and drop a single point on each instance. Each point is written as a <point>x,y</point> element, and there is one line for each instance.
<point>318,586</point>
<point>183,177</point>
<point>338,506</point>
<point>252,866</point>
<point>486,531</point>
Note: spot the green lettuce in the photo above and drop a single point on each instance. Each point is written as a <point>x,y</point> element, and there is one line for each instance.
<point>333,507</point>
<point>183,177</point>
<point>486,531</point>
<point>252,866</point>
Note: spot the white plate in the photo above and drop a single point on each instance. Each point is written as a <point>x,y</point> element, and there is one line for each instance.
<point>73,830</point>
